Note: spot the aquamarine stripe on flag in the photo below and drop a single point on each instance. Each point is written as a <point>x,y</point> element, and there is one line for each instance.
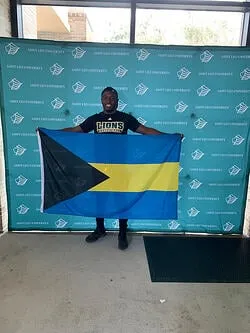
<point>131,149</point>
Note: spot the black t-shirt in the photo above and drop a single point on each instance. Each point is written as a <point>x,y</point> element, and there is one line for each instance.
<point>116,123</point>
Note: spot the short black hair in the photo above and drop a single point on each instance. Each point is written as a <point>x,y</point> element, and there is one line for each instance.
<point>111,90</point>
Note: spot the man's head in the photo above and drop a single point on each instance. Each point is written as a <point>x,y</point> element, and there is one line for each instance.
<point>109,99</point>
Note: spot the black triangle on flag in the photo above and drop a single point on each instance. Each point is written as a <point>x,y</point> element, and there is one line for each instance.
<point>65,174</point>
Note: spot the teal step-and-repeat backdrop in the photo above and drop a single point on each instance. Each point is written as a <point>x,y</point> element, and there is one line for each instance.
<point>203,92</point>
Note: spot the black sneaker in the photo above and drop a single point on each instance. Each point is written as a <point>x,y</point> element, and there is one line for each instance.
<point>95,235</point>
<point>122,242</point>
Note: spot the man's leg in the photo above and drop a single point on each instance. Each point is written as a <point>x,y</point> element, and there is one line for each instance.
<point>122,237</point>
<point>98,232</point>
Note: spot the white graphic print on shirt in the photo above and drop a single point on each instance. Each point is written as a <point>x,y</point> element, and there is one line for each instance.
<point>109,126</point>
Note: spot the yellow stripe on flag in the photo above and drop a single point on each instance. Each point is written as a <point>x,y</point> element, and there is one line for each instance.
<point>138,177</point>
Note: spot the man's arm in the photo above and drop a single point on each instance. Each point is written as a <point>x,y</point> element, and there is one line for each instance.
<point>76,129</point>
<point>85,127</point>
<point>147,130</point>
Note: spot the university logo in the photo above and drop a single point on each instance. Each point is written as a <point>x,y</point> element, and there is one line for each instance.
<point>121,105</point>
<point>16,118</point>
<point>231,199</point>
<point>142,54</point>
<point>78,87</point>
<point>57,103</point>
<point>115,224</point>
<point>19,150</point>
<point>14,84</point>
<point>141,89</point>
<point>200,123</point>
<point>195,184</point>
<point>22,209</point>
<point>192,212</point>
<point>56,69</point>
<point>206,56</point>
<point>139,153</point>
<point>60,167</point>
<point>237,140</point>
<point>79,182</point>
<point>181,106</point>
<point>78,120</point>
<point>61,223</point>
<point>203,90</point>
<point>241,108</point>
<point>58,196</point>
<point>120,71</point>
<point>173,225</point>
<point>78,52</point>
<point>228,226</point>
<point>11,48</point>
<point>21,180</point>
<point>245,74</point>
<point>141,120</point>
<point>234,170</point>
<point>197,154</point>
<point>183,73</point>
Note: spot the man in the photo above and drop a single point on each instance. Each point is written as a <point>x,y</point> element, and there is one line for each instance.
<point>111,121</point>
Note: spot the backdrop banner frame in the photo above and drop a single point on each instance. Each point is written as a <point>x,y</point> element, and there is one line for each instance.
<point>202,92</point>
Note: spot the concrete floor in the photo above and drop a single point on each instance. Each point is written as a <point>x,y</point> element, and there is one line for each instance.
<point>59,284</point>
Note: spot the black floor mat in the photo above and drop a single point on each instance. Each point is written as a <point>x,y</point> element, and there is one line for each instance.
<point>198,259</point>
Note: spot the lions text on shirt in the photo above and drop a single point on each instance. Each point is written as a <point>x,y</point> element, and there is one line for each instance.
<point>115,123</point>
<point>109,126</point>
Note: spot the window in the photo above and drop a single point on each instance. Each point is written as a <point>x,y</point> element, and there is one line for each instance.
<point>76,23</point>
<point>165,22</point>
<point>181,27</point>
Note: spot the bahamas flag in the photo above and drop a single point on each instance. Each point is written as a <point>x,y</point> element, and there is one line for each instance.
<point>112,176</point>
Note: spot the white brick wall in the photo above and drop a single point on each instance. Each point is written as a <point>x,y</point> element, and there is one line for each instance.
<point>5,31</point>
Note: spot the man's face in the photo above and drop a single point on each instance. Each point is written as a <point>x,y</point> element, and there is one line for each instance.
<point>109,101</point>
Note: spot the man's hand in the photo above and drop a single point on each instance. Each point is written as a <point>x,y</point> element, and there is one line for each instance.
<point>147,130</point>
<point>182,135</point>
